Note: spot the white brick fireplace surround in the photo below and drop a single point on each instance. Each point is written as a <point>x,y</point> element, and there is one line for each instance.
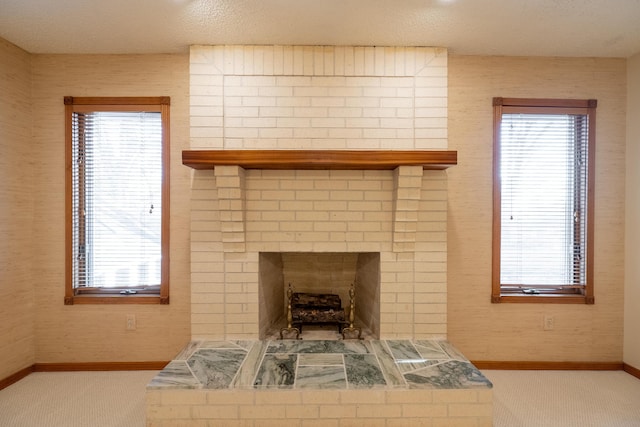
<point>318,98</point>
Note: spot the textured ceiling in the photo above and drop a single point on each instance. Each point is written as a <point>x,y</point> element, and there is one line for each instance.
<point>604,28</point>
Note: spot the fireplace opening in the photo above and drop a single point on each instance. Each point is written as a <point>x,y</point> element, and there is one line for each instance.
<point>319,273</point>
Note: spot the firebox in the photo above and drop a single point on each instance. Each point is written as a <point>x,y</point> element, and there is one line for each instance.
<point>319,273</point>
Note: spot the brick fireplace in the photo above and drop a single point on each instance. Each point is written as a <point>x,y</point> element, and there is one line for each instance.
<point>319,166</point>
<point>298,98</point>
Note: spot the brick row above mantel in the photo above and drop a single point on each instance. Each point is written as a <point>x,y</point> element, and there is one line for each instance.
<point>319,159</point>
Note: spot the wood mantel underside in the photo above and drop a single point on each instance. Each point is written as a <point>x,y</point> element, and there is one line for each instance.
<point>319,159</point>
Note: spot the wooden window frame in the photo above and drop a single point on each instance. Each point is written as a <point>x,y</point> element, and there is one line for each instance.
<point>151,294</point>
<point>542,106</point>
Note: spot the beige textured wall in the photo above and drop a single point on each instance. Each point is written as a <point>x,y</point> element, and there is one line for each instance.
<point>485,331</point>
<point>632,266</point>
<point>94,333</point>
<point>16,213</point>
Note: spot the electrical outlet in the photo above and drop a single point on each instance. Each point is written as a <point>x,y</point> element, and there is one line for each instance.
<point>131,322</point>
<point>548,322</point>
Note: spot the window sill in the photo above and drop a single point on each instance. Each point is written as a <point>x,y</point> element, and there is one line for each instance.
<point>116,299</point>
<point>543,299</point>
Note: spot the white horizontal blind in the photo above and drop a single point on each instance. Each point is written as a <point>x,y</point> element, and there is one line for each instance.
<point>543,175</point>
<point>117,196</point>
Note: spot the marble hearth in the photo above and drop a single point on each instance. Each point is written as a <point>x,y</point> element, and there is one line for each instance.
<point>334,383</point>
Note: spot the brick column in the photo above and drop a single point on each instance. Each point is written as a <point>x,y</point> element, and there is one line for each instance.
<point>407,188</point>
<point>231,200</point>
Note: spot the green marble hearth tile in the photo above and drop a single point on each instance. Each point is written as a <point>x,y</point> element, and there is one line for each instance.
<point>246,374</point>
<point>319,346</point>
<point>452,351</point>
<point>222,345</point>
<point>452,374</point>
<point>216,368</point>
<point>277,371</point>
<point>176,375</point>
<point>406,366</point>
<point>403,350</point>
<point>430,349</point>
<point>387,364</point>
<point>323,377</point>
<point>320,359</point>
<point>363,371</point>
<point>186,352</point>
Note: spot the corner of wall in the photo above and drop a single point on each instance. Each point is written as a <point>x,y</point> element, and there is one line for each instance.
<point>631,347</point>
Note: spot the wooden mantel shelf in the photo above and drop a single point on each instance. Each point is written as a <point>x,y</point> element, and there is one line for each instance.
<point>319,159</point>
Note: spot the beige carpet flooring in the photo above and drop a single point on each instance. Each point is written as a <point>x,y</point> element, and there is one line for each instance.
<point>521,399</point>
<point>565,398</point>
<point>76,399</point>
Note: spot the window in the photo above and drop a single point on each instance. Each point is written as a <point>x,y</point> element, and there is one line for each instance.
<point>117,200</point>
<point>543,200</point>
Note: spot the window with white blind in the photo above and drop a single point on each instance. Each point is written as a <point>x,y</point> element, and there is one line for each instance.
<point>543,200</point>
<point>117,200</point>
